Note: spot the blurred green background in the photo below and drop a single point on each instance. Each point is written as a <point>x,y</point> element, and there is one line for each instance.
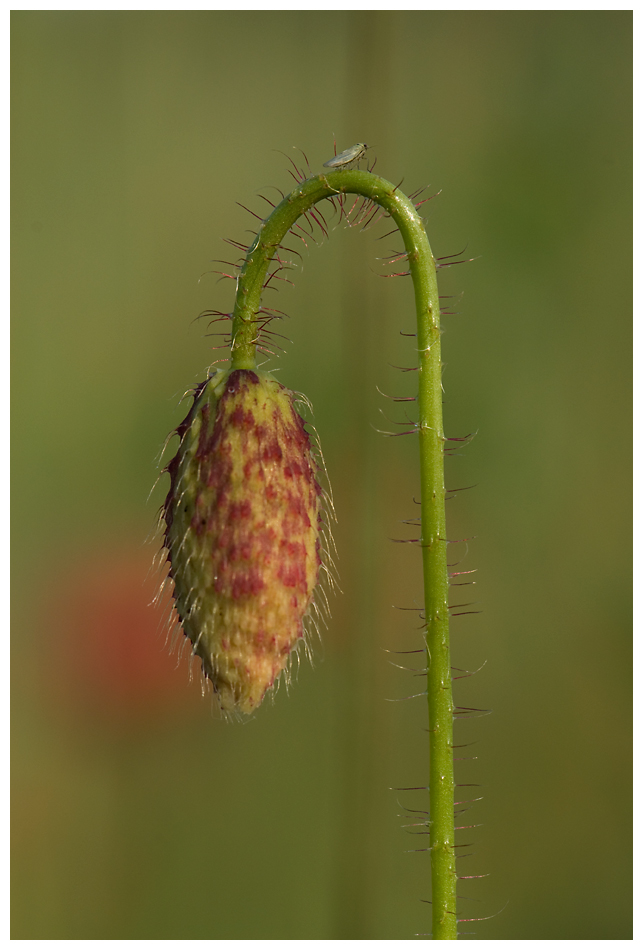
<point>137,812</point>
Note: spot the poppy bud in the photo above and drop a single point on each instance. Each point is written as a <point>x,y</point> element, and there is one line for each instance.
<point>243,518</point>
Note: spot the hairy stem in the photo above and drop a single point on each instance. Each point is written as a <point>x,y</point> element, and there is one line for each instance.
<point>245,328</point>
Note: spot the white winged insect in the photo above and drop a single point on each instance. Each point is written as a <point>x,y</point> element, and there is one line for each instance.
<point>352,154</point>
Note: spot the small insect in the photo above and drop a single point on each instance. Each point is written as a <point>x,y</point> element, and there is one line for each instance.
<point>352,154</point>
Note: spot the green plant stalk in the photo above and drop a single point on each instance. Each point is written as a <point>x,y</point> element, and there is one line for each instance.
<point>431,442</point>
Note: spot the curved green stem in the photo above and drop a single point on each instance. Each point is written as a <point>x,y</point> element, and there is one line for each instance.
<point>431,440</point>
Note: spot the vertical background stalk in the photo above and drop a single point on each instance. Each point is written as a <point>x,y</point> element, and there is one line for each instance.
<point>431,442</point>
<point>361,717</point>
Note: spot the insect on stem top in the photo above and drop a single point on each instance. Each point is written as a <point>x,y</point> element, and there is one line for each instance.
<point>350,155</point>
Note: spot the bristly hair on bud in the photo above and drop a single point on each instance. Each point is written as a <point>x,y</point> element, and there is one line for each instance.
<point>244,533</point>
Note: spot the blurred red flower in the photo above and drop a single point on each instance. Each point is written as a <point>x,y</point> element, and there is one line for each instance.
<point>108,649</point>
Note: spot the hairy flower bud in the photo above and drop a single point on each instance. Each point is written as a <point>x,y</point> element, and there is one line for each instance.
<point>242,519</point>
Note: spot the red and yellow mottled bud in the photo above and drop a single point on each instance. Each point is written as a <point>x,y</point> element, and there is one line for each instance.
<point>242,532</point>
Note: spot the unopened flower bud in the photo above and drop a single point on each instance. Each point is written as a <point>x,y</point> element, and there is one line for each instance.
<point>242,519</point>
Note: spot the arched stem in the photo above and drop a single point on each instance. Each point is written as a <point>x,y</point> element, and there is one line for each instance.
<point>431,443</point>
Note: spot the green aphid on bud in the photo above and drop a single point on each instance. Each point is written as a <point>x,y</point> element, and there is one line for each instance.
<point>243,518</point>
